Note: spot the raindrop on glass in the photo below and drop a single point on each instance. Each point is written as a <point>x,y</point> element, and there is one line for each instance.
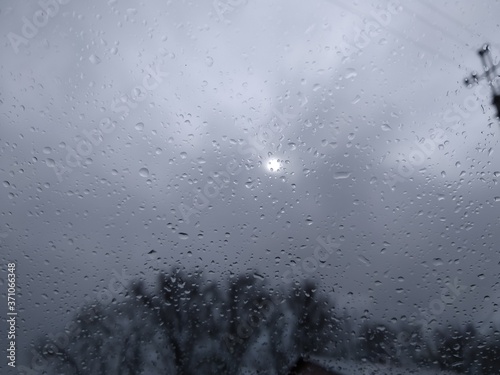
<point>94,59</point>
<point>342,175</point>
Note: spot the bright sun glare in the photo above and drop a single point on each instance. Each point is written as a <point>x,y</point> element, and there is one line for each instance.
<point>273,165</point>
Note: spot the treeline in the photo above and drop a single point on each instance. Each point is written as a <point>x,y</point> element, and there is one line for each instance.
<point>190,325</point>
<point>460,349</point>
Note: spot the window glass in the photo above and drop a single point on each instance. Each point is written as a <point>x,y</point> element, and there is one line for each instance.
<point>244,186</point>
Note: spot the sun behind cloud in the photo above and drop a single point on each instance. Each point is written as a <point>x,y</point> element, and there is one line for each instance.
<point>273,165</point>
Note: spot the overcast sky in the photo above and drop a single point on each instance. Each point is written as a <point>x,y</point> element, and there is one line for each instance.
<point>115,116</point>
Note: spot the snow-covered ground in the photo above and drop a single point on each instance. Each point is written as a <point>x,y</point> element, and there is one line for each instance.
<point>356,368</point>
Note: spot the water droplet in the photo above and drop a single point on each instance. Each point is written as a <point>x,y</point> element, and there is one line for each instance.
<point>143,172</point>
<point>437,262</point>
<point>94,59</point>
<point>209,61</point>
<point>351,73</point>
<point>497,199</point>
<point>139,126</point>
<point>342,175</point>
<point>183,236</point>
<point>364,260</point>
<point>386,127</point>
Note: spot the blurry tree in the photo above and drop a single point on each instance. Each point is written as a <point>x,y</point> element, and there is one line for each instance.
<point>189,325</point>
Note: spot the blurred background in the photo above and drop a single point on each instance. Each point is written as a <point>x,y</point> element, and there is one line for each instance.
<point>236,136</point>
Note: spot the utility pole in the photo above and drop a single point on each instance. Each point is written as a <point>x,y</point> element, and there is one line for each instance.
<point>490,74</point>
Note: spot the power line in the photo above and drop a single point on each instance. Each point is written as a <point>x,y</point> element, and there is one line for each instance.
<point>453,20</point>
<point>460,42</point>
<point>448,17</point>
<point>395,32</point>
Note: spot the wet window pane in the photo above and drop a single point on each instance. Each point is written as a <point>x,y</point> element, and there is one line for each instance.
<point>243,187</point>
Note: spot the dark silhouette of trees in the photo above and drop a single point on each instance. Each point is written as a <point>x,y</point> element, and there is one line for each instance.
<point>303,367</point>
<point>459,349</point>
<point>190,325</point>
<point>377,344</point>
